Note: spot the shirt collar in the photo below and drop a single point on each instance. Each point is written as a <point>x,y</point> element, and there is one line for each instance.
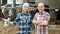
<point>43,12</point>
<point>25,13</point>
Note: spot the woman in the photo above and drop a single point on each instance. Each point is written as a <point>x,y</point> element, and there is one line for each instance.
<point>24,20</point>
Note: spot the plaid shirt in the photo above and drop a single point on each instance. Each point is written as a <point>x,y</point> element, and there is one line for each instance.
<point>24,21</point>
<point>43,29</point>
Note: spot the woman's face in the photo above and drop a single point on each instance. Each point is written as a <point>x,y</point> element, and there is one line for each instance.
<point>25,9</point>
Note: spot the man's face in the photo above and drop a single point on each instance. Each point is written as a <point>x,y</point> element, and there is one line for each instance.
<point>25,9</point>
<point>41,7</point>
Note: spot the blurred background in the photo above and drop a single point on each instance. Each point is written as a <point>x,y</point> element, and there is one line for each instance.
<point>12,7</point>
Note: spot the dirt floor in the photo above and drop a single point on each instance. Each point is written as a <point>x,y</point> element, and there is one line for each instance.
<point>53,29</point>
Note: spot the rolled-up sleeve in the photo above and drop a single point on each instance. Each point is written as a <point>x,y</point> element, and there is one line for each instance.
<point>35,17</point>
<point>48,17</point>
<point>16,20</point>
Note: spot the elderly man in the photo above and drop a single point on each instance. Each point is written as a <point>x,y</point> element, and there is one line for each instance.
<point>41,20</point>
<point>24,20</point>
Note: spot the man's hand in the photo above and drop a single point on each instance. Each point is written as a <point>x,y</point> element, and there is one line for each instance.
<point>39,22</point>
<point>36,22</point>
<point>43,23</point>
